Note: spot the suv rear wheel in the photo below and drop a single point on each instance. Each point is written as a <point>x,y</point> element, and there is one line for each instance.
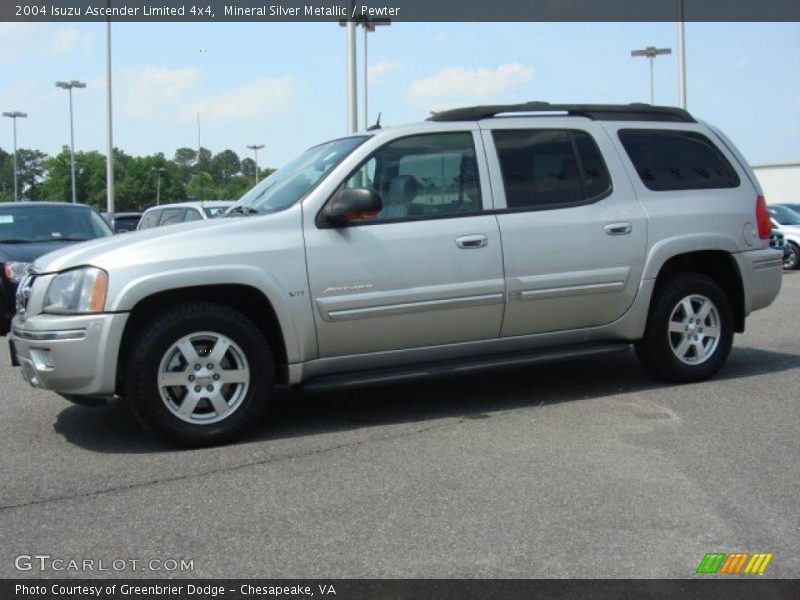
<point>200,374</point>
<point>689,330</point>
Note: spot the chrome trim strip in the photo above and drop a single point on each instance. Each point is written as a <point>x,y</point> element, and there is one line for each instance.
<point>769,263</point>
<point>571,290</point>
<point>47,336</point>
<point>367,312</point>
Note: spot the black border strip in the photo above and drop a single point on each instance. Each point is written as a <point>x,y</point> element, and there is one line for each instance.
<point>401,10</point>
<point>706,587</point>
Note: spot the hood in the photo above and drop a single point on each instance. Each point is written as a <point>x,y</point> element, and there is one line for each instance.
<point>156,245</point>
<point>30,252</point>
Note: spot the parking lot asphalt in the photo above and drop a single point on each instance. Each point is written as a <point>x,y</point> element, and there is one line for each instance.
<point>587,468</point>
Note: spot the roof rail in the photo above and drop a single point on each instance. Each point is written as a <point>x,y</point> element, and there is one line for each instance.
<point>597,112</point>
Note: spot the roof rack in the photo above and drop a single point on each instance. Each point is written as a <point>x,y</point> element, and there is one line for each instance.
<point>597,112</point>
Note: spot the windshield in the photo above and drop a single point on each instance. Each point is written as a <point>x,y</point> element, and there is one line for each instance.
<point>784,216</point>
<point>49,223</point>
<point>292,182</point>
<point>216,210</point>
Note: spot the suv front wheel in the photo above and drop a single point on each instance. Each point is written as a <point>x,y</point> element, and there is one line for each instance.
<point>200,374</point>
<point>689,330</point>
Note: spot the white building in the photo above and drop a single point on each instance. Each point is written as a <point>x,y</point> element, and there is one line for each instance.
<point>780,182</point>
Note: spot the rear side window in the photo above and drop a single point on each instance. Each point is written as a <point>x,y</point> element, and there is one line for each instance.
<point>550,168</point>
<point>677,160</point>
<point>150,219</point>
<point>171,216</point>
<point>192,215</point>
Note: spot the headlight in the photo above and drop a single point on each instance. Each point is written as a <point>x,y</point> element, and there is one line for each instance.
<point>77,291</point>
<point>15,271</point>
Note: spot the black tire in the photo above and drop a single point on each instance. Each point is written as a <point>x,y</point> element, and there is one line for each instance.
<point>658,350</point>
<point>792,260</point>
<point>156,343</point>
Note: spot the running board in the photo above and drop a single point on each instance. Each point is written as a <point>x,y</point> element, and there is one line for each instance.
<point>454,367</point>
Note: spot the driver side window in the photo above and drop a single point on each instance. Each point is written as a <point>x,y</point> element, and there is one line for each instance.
<point>423,175</point>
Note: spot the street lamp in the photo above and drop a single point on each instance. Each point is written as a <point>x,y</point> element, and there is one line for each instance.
<point>159,171</point>
<point>255,148</point>
<point>651,52</point>
<point>109,124</point>
<point>15,115</point>
<point>68,85</point>
<point>352,94</point>
<point>681,56</point>
<point>369,26</point>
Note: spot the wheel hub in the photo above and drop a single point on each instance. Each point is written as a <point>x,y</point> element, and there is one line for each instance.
<point>694,329</point>
<point>203,378</point>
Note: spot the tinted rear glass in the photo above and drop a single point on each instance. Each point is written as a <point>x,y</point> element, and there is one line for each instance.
<point>150,219</point>
<point>550,168</point>
<point>170,216</point>
<point>677,160</point>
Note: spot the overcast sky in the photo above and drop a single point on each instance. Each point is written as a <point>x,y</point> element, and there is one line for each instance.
<point>283,84</point>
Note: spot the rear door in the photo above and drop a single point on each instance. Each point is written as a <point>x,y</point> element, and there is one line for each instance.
<point>574,234</point>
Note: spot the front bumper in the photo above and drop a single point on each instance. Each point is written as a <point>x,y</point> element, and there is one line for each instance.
<point>73,355</point>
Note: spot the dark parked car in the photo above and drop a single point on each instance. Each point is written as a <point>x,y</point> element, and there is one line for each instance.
<point>30,229</point>
<point>123,221</point>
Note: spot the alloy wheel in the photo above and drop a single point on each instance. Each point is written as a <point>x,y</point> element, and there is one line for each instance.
<point>203,378</point>
<point>694,329</point>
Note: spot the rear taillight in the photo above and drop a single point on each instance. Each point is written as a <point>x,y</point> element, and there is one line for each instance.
<point>763,218</point>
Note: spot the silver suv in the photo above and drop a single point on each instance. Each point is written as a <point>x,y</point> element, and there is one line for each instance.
<point>485,236</point>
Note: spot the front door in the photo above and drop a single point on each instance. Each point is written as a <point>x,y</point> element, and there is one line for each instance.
<point>427,270</point>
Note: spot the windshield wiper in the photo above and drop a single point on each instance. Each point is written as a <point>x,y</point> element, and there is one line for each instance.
<point>242,210</point>
<point>17,241</point>
<point>70,239</point>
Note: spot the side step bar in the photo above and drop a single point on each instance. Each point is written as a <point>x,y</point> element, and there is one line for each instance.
<point>418,371</point>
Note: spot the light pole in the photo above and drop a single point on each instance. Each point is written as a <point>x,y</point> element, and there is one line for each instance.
<point>68,85</point>
<point>369,26</point>
<point>110,149</point>
<point>15,115</point>
<point>255,148</point>
<point>352,77</point>
<point>651,52</point>
<point>159,171</point>
<point>681,56</point>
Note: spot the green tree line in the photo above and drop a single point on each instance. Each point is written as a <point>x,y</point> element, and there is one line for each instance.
<point>188,175</point>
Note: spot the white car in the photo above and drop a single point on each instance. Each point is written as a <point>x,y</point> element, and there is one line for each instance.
<point>182,212</point>
<point>788,222</point>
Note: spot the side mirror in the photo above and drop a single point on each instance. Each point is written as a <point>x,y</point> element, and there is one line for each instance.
<point>352,205</point>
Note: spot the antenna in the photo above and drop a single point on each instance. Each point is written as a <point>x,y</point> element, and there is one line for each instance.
<point>377,124</point>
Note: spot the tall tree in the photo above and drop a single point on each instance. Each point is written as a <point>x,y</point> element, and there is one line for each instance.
<point>185,157</point>
<point>201,187</point>
<point>225,165</point>
<point>6,176</point>
<point>30,172</point>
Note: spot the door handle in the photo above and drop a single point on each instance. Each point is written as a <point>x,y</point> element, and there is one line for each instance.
<point>621,228</point>
<point>468,242</point>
